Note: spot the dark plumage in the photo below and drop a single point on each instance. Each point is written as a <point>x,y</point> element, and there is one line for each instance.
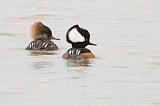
<point>42,44</point>
<point>84,33</point>
<point>78,50</point>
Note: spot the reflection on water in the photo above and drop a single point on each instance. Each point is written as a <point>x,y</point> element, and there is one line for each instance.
<point>77,63</point>
<point>40,65</point>
<point>39,61</point>
<point>39,53</point>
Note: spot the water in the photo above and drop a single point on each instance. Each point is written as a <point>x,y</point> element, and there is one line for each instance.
<point>126,71</point>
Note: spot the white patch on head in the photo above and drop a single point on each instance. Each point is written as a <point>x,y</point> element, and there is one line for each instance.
<point>75,36</point>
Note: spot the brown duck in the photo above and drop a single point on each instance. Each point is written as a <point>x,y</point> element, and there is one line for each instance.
<point>42,36</point>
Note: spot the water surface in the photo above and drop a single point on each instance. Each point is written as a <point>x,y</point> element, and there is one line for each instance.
<point>126,71</point>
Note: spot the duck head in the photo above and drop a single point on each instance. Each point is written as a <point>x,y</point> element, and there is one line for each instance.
<point>78,37</point>
<point>39,30</point>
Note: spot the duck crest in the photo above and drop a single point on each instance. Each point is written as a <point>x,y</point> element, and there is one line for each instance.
<point>42,36</point>
<point>78,37</point>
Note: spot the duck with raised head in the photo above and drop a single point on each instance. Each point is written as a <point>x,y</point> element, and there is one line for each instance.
<point>79,38</point>
<point>42,36</point>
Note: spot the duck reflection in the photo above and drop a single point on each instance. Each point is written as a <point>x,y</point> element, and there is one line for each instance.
<point>77,63</point>
<point>39,53</point>
<point>40,59</point>
<point>39,65</point>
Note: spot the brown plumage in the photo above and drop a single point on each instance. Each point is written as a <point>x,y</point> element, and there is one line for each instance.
<point>37,30</point>
<point>85,56</point>
<point>42,36</point>
<point>78,54</point>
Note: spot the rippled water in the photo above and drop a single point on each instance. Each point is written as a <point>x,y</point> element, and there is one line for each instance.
<point>126,71</point>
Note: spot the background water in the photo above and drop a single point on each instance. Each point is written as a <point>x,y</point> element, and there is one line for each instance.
<point>126,71</point>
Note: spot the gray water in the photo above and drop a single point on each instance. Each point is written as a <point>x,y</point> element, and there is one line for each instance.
<point>125,72</point>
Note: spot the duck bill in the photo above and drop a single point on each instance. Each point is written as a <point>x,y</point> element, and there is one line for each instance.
<point>54,38</point>
<point>92,44</point>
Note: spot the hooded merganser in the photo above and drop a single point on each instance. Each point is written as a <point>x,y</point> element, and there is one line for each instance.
<point>79,39</point>
<point>42,36</point>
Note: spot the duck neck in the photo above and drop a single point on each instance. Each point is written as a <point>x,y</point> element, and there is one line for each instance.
<point>79,45</point>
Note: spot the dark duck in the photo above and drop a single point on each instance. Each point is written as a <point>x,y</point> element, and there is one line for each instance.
<point>79,38</point>
<point>42,36</point>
